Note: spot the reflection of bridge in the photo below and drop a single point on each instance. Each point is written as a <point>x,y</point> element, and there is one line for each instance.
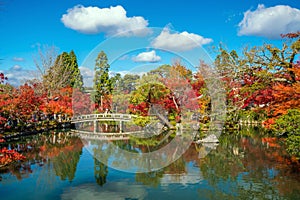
<point>87,135</point>
<point>105,117</point>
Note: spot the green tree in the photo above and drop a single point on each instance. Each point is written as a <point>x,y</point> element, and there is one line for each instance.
<point>76,77</point>
<point>103,85</point>
<point>128,83</point>
<point>288,124</point>
<point>116,80</point>
<point>167,71</point>
<point>63,73</point>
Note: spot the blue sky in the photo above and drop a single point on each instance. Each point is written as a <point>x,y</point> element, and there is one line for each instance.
<point>27,24</point>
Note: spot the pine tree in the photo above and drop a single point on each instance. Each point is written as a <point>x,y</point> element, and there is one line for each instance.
<point>102,83</point>
<point>64,73</point>
<point>76,77</point>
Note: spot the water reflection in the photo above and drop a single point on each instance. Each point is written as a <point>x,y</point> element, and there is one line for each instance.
<point>247,168</point>
<point>59,151</point>
<point>138,155</point>
<point>240,167</point>
<point>119,190</point>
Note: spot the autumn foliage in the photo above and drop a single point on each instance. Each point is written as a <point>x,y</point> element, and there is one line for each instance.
<point>263,81</point>
<point>9,156</point>
<point>286,95</point>
<point>61,103</point>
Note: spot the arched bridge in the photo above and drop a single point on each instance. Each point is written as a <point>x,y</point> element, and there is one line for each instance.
<point>102,117</point>
<point>105,117</point>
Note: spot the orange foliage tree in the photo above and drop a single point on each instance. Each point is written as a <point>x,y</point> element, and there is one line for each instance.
<point>61,103</point>
<point>20,103</point>
<point>286,95</point>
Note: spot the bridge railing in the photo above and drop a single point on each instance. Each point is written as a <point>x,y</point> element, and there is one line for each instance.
<point>103,116</point>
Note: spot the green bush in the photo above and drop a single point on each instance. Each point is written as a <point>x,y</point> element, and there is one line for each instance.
<point>289,125</point>
<point>141,120</point>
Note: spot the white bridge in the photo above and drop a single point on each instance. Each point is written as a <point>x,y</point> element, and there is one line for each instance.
<point>102,117</point>
<point>93,119</point>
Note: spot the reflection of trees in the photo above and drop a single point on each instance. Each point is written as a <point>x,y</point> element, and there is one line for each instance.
<point>150,178</point>
<point>243,166</point>
<point>155,142</point>
<point>177,167</point>
<point>270,162</point>
<point>127,145</point>
<point>221,164</point>
<point>126,155</point>
<point>153,178</point>
<point>100,171</point>
<point>64,152</point>
<point>65,164</point>
<point>54,153</point>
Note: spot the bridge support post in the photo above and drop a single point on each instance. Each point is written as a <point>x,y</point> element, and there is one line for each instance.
<point>121,126</point>
<point>95,126</point>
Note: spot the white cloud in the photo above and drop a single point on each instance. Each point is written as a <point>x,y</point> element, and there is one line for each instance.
<point>18,59</point>
<point>179,41</point>
<point>86,72</point>
<point>16,68</point>
<point>125,57</point>
<point>270,22</point>
<point>147,57</point>
<point>17,75</point>
<point>36,45</point>
<point>111,21</point>
<point>87,75</point>
<point>123,73</point>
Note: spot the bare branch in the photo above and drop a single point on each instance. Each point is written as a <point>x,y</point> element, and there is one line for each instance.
<point>45,59</point>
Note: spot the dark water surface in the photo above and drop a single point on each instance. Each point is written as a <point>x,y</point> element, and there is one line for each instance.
<point>59,166</point>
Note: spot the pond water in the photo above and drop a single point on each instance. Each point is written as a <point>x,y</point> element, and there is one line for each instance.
<point>62,166</point>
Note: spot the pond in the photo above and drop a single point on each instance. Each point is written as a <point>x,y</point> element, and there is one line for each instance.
<point>63,166</point>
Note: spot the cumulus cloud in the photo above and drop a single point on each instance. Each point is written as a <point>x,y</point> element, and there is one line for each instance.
<point>270,22</point>
<point>113,20</point>
<point>183,41</point>
<point>147,57</point>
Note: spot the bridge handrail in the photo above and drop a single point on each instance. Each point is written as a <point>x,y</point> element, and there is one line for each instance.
<point>103,116</point>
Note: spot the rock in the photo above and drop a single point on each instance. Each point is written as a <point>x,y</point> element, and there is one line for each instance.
<point>209,139</point>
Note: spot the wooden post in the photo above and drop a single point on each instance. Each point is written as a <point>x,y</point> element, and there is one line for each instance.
<point>121,126</point>
<point>95,126</point>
